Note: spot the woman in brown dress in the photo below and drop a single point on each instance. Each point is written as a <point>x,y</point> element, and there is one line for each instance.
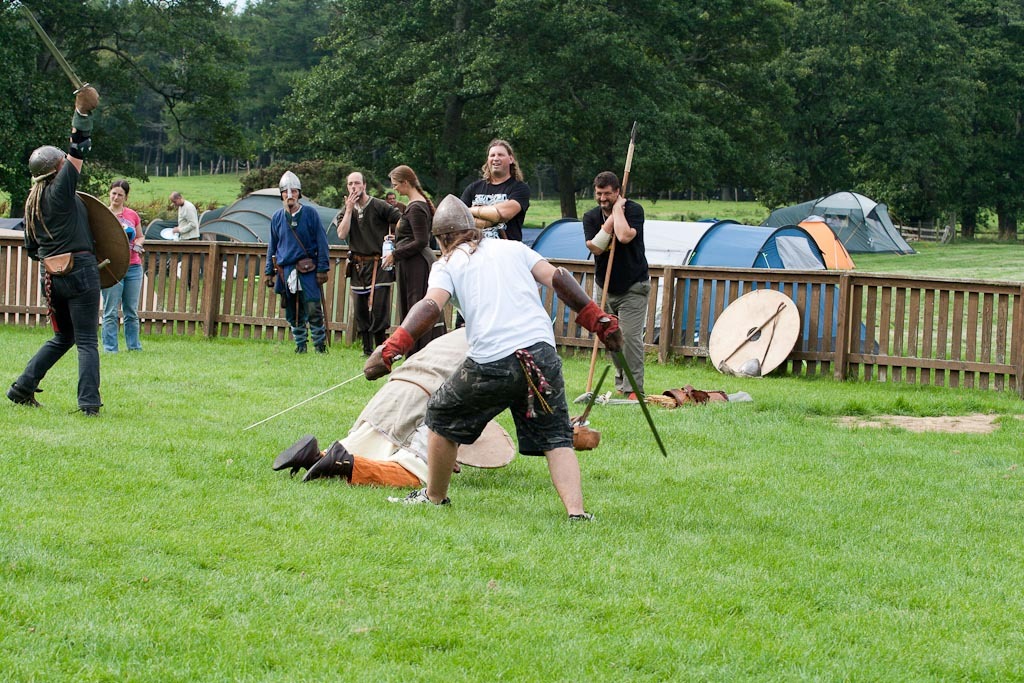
<point>412,255</point>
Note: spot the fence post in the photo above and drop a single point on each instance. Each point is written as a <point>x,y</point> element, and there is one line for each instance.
<point>668,314</point>
<point>1016,344</point>
<point>211,290</point>
<point>843,334</point>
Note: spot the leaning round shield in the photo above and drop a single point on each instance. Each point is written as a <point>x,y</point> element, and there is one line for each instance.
<point>110,240</point>
<point>754,334</point>
<point>493,449</point>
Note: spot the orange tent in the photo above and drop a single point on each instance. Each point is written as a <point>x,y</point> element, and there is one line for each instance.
<point>836,256</point>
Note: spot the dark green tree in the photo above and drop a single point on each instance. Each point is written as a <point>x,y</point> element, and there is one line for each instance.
<point>882,103</point>
<point>403,83</point>
<point>283,41</point>
<point>429,83</point>
<point>993,175</point>
<point>162,68</point>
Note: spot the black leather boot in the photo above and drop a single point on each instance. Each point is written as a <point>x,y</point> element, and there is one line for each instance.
<point>337,462</point>
<point>302,454</point>
<point>23,396</point>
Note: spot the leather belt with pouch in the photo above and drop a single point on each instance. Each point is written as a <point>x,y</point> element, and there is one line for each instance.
<point>59,264</point>
<point>305,265</point>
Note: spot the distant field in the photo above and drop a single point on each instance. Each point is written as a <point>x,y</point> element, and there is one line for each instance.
<point>205,191</point>
<point>982,260</point>
<point>150,198</point>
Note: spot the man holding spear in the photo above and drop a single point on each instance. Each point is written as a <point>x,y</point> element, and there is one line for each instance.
<point>614,230</point>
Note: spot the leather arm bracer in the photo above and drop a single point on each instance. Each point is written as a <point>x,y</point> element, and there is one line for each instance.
<point>568,290</point>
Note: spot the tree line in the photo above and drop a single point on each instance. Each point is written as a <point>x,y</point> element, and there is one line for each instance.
<point>917,103</point>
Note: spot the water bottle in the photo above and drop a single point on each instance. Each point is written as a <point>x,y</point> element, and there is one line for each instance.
<point>388,248</point>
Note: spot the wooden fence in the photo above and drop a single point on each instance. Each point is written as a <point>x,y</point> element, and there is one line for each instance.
<point>957,333</point>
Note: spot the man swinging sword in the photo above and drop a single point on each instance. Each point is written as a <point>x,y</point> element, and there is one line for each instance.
<point>511,362</point>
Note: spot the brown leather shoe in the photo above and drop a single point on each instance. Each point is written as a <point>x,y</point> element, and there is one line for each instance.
<point>302,454</point>
<point>337,462</point>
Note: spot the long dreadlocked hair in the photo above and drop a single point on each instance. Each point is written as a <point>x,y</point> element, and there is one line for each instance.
<point>514,171</point>
<point>405,173</point>
<point>33,204</point>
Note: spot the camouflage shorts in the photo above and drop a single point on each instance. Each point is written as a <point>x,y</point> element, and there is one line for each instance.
<point>476,393</point>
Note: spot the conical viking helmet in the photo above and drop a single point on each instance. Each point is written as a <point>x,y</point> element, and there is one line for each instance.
<point>44,161</point>
<point>452,216</point>
<point>289,181</point>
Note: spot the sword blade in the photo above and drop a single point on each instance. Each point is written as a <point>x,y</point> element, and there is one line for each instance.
<point>268,419</point>
<point>63,63</point>
<point>643,404</point>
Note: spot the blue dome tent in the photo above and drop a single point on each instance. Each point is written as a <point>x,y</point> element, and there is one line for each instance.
<point>732,245</point>
<point>666,243</point>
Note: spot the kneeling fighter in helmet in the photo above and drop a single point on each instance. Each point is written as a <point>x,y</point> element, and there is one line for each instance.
<point>511,362</point>
<point>57,225</point>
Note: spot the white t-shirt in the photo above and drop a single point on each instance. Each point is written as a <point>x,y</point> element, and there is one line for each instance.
<point>495,290</point>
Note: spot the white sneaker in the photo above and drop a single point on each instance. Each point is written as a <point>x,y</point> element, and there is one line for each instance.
<point>417,497</point>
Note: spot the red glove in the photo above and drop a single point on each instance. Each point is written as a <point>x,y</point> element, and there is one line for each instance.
<point>379,362</point>
<point>604,325</point>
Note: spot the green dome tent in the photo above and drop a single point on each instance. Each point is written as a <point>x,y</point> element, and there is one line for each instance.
<point>862,225</point>
<point>248,219</point>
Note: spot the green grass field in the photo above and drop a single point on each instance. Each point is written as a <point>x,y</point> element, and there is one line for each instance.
<point>773,544</point>
<point>156,544</point>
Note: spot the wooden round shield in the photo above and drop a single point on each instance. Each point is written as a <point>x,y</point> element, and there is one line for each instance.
<point>754,334</point>
<point>493,449</point>
<point>110,240</point>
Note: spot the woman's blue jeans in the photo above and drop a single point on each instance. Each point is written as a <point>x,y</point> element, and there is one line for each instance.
<point>124,295</point>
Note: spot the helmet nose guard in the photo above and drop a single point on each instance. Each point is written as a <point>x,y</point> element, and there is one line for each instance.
<point>289,181</point>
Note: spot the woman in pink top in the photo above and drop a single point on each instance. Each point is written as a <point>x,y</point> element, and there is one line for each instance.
<point>125,294</point>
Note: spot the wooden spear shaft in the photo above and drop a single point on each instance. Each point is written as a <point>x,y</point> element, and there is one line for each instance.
<point>611,256</point>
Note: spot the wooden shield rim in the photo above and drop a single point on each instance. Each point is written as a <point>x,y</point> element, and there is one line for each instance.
<point>493,449</point>
<point>750,310</point>
<point>110,240</point>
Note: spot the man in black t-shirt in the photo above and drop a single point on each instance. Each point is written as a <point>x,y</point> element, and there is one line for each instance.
<point>629,284</point>
<point>499,200</point>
